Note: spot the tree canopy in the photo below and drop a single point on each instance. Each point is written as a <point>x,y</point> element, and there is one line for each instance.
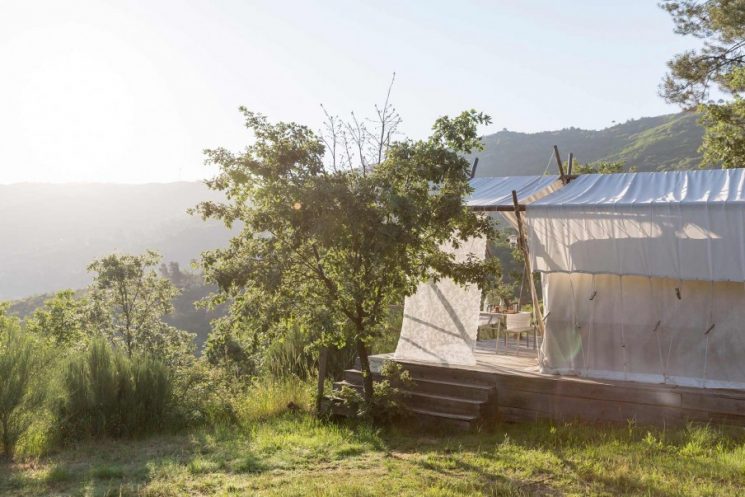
<point>718,65</point>
<point>128,302</point>
<point>330,243</point>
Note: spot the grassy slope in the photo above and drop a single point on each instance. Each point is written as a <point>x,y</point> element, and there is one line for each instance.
<point>295,455</point>
<point>650,144</point>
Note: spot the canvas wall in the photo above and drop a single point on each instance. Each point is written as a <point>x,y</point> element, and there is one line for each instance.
<point>645,329</point>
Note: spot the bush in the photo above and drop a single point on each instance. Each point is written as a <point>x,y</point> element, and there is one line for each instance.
<point>18,370</point>
<point>107,393</point>
<point>204,394</point>
<point>389,396</point>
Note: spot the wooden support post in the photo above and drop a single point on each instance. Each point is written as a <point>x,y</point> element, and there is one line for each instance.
<point>571,164</point>
<point>523,246</point>
<point>323,358</point>
<point>557,155</point>
<point>475,165</point>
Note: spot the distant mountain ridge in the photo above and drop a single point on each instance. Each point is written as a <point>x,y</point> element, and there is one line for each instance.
<point>650,143</point>
<point>50,233</point>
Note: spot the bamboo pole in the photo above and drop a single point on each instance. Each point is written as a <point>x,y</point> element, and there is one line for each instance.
<point>523,246</point>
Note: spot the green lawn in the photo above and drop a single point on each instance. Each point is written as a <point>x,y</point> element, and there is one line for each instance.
<point>295,455</point>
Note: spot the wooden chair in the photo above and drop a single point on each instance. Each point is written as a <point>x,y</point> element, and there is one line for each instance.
<point>518,324</point>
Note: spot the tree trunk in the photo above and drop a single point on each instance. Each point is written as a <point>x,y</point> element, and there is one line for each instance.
<point>367,380</point>
<point>322,363</point>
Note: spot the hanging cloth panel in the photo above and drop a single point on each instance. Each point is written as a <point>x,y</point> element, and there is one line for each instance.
<point>441,319</point>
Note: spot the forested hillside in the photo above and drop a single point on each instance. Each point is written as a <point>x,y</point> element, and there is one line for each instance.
<point>650,144</point>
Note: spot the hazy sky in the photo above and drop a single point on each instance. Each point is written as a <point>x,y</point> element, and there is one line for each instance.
<point>132,91</point>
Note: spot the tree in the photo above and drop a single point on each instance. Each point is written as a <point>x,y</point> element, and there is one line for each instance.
<point>18,364</point>
<point>129,300</point>
<point>719,64</point>
<point>63,319</point>
<point>330,240</point>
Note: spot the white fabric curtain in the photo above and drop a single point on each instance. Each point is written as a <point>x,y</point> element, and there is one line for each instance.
<point>441,319</point>
<point>645,329</point>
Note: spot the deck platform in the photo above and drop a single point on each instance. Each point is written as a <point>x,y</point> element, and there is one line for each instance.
<point>523,393</point>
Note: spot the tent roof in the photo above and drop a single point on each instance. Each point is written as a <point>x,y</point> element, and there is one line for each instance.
<point>492,192</point>
<point>629,189</point>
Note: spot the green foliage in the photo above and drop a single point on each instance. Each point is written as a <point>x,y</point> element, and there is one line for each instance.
<point>129,300</point>
<point>203,394</point>
<point>19,372</point>
<point>724,136</point>
<point>603,167</point>
<point>62,320</point>
<point>106,392</point>
<point>332,250</point>
<point>719,64</point>
<point>721,23</point>
<point>388,403</point>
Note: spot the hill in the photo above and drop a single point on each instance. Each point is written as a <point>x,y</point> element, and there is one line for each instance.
<point>650,143</point>
<point>51,233</point>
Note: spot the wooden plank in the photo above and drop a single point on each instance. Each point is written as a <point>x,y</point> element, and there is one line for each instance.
<point>660,396</point>
<point>713,403</point>
<point>593,410</point>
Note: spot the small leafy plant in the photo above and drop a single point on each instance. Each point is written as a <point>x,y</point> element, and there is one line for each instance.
<point>389,396</point>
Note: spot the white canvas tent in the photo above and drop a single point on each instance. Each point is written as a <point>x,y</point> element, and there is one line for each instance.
<point>644,276</point>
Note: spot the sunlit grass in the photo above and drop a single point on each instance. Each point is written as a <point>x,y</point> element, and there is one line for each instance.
<point>294,454</point>
<point>279,451</point>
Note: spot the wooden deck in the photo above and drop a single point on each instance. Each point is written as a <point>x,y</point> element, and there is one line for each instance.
<point>524,393</point>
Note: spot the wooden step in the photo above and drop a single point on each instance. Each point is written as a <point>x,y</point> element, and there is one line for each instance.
<point>452,375</point>
<point>445,404</point>
<point>455,389</point>
<point>459,421</point>
<point>436,396</point>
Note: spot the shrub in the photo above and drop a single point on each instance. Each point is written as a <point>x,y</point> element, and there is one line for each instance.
<point>389,396</point>
<point>204,394</point>
<point>107,393</point>
<point>18,369</point>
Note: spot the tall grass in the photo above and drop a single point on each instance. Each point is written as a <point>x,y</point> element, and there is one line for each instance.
<point>107,393</point>
<point>18,365</point>
<point>270,397</point>
<point>292,356</point>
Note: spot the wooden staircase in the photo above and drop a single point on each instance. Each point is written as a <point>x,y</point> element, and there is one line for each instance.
<point>439,398</point>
